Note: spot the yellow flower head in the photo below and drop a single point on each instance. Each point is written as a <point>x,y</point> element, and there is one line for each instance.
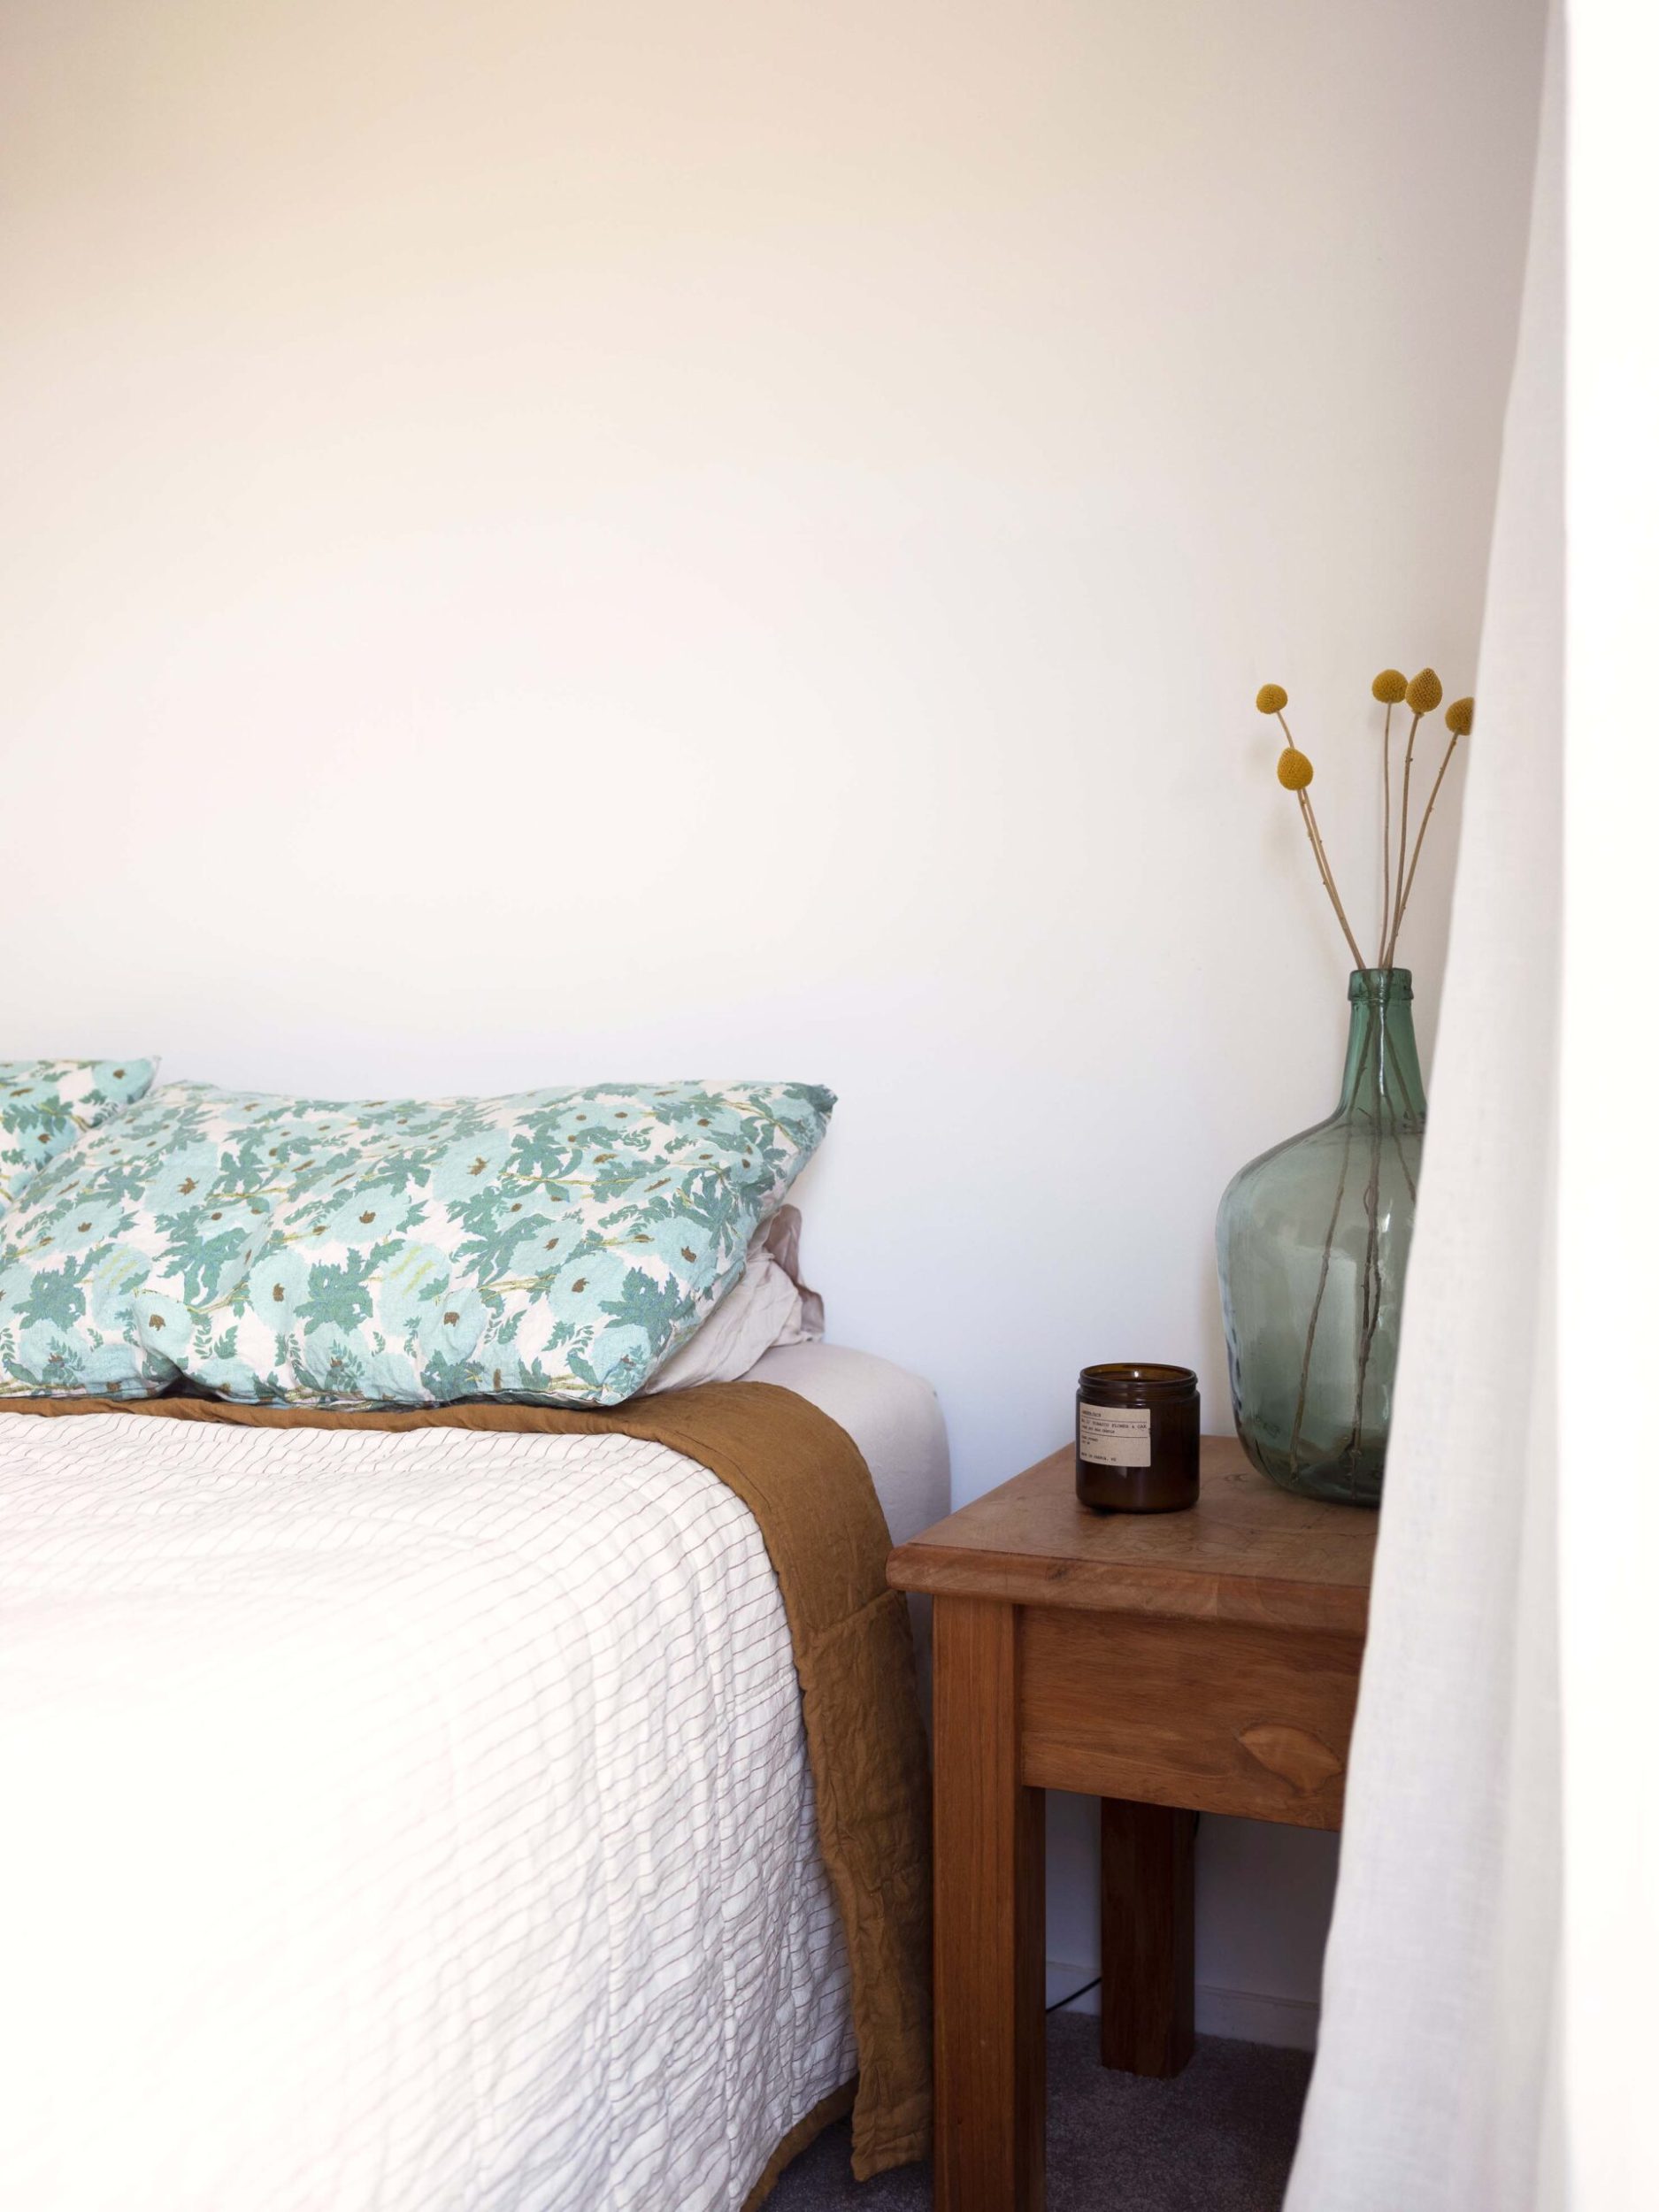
<point>1390,687</point>
<point>1459,716</point>
<point>1295,769</point>
<point>1271,699</point>
<point>1423,693</point>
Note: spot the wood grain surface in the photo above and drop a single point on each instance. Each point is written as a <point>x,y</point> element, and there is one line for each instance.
<point>989,2086</point>
<point>1206,1714</point>
<point>1146,1937</point>
<point>1247,1552</point>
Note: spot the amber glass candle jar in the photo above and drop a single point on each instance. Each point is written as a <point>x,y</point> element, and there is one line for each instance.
<point>1137,1437</point>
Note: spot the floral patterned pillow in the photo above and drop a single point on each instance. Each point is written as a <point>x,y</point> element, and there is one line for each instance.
<point>45,1103</point>
<point>557,1244</point>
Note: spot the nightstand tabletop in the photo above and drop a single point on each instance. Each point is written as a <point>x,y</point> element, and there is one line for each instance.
<point>1247,1552</point>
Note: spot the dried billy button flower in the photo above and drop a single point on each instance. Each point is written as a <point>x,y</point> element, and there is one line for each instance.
<point>1423,693</point>
<point>1421,696</point>
<point>1460,720</point>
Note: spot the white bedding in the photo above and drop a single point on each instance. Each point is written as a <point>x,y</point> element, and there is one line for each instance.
<point>401,1822</point>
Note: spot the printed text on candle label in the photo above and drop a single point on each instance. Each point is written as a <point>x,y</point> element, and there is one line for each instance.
<point>1114,1436</point>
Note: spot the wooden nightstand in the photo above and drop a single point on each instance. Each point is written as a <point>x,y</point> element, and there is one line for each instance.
<point>1169,1663</point>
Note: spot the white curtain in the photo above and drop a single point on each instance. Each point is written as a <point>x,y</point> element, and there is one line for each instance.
<point>1610,1192</point>
<point>1491,2020</point>
<point>1436,2087</point>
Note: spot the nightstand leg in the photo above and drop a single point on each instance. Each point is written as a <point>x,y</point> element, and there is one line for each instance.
<point>1146,1937</point>
<point>989,2075</point>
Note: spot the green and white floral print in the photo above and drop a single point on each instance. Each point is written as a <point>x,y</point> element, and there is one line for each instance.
<point>45,1103</point>
<point>557,1245</point>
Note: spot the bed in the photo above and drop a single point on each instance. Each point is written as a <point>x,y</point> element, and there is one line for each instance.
<point>485,1805</point>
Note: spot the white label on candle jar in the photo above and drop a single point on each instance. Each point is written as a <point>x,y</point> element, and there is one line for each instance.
<point>1115,1436</point>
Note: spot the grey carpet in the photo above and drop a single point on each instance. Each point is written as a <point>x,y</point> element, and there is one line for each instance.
<point>1217,2138</point>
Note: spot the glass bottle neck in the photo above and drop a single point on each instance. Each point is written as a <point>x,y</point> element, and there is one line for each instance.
<point>1382,1080</point>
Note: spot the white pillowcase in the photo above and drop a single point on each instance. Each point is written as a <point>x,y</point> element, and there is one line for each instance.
<point>767,1305</point>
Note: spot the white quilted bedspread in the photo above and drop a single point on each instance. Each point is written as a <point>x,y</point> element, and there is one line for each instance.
<point>397,1821</point>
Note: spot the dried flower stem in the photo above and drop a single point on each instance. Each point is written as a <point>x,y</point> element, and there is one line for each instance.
<point>1326,876</point>
<point>1318,1299</point>
<point>1321,859</point>
<point>1417,850</point>
<point>1400,871</point>
<point>1387,833</point>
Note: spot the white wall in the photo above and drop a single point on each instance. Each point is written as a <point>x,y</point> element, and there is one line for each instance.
<point>544,540</point>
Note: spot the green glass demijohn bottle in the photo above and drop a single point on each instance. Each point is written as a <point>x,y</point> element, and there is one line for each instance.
<point>1312,1239</point>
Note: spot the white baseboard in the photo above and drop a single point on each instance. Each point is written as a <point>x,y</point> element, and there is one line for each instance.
<point>1245,2015</point>
<point>1293,2023</point>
